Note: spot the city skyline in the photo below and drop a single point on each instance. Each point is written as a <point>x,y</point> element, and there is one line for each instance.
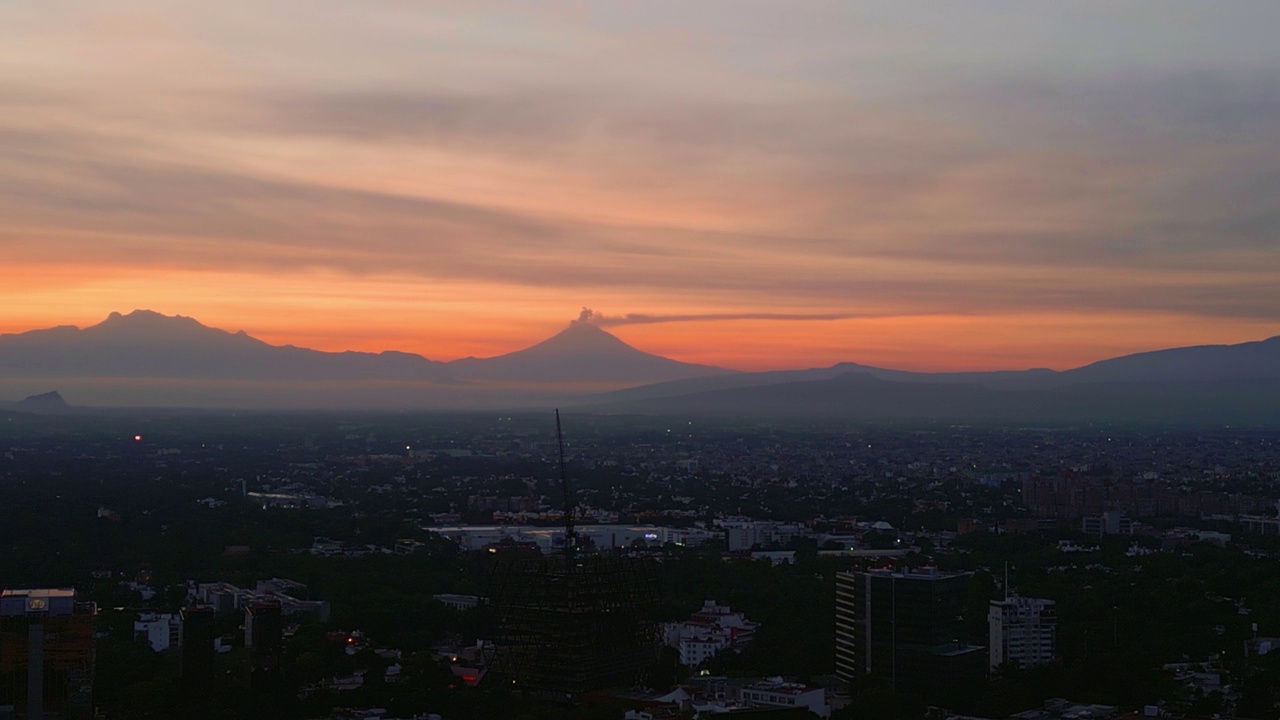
<point>750,186</point>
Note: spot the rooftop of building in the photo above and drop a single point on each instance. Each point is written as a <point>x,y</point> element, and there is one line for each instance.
<point>42,602</point>
<point>1018,600</point>
<point>781,687</point>
<point>40,593</point>
<point>1060,709</point>
<point>955,649</point>
<point>918,573</point>
<point>772,684</point>
<point>481,529</point>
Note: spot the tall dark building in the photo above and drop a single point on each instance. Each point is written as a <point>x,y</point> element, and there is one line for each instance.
<point>197,648</point>
<point>46,654</point>
<point>906,627</point>
<point>567,626</point>
<point>264,636</point>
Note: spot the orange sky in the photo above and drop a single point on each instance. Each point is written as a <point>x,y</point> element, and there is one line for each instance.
<point>998,187</point>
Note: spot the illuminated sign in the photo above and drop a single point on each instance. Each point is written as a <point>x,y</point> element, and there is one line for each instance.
<point>35,604</point>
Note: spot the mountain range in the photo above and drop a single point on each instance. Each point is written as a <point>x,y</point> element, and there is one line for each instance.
<point>145,358</point>
<point>1208,384</point>
<point>1202,363</point>
<point>146,344</point>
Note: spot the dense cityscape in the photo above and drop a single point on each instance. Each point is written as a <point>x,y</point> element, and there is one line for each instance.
<point>662,360</point>
<point>415,566</point>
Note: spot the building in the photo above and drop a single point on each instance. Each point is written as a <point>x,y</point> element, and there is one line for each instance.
<point>197,648</point>
<point>1257,646</point>
<point>1061,709</point>
<point>742,535</point>
<point>707,632</point>
<point>264,637</point>
<point>458,602</point>
<point>226,598</point>
<point>550,539</point>
<point>774,692</point>
<point>280,586</point>
<point>291,596</point>
<point>1023,632</point>
<point>716,696</point>
<point>1261,524</point>
<point>46,654</point>
<point>906,627</point>
<point>1108,523</point>
<point>564,627</point>
<point>407,546</point>
<point>222,597</point>
<point>775,557</point>
<point>160,631</point>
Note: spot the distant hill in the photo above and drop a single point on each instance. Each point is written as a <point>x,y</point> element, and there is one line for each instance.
<point>50,402</point>
<point>847,395</point>
<point>1201,363</point>
<point>581,353</point>
<point>863,397</point>
<point>145,344</point>
<point>1216,384</point>
<point>1004,379</point>
<point>728,381</point>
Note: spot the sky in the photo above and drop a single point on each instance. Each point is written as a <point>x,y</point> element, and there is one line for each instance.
<point>757,185</point>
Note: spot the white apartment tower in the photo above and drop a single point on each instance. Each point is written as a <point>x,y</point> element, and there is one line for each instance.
<point>1023,631</point>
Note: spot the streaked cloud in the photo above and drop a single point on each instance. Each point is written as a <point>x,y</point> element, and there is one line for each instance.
<point>595,318</point>
<point>682,162</point>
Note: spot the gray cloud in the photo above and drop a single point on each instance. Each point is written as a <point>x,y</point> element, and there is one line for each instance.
<point>962,187</point>
<point>595,318</point>
<point>523,118</point>
<point>1197,104</point>
<point>151,213</point>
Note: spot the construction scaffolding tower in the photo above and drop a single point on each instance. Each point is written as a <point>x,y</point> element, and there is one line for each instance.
<point>565,625</point>
<point>46,654</point>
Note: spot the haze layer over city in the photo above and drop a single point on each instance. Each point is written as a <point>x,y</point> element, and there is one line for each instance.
<point>639,361</point>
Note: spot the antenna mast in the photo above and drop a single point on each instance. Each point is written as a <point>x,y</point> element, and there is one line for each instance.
<point>570,536</point>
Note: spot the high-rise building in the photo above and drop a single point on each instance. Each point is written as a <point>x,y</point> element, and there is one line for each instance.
<point>46,654</point>
<point>563,628</point>
<point>264,637</point>
<point>197,647</point>
<point>1023,631</point>
<point>905,627</point>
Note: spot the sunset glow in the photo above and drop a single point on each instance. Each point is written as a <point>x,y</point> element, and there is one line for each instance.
<point>919,186</point>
